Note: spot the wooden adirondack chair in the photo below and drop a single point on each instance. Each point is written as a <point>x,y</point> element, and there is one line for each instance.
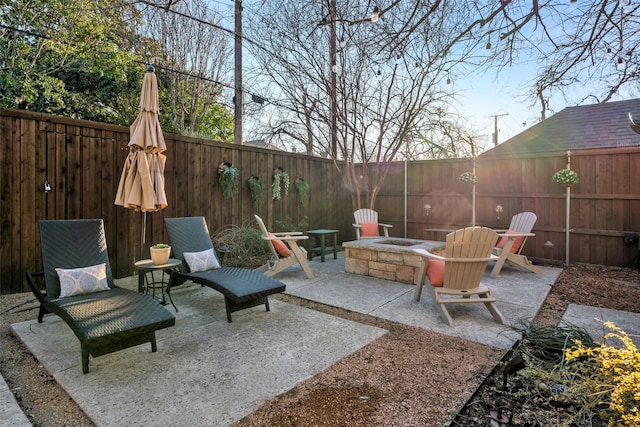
<point>367,225</point>
<point>512,241</point>
<point>455,277</point>
<point>284,255</point>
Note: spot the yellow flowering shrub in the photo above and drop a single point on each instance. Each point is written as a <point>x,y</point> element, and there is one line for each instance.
<point>615,381</point>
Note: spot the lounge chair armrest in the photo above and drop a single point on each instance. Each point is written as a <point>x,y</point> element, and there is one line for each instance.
<point>385,225</point>
<point>357,225</point>
<point>32,280</point>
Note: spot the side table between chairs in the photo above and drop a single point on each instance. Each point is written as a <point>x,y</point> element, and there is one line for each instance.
<point>147,281</point>
<point>314,236</point>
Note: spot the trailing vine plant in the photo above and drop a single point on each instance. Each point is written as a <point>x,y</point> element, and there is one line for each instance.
<point>280,184</point>
<point>302,187</point>
<point>228,178</point>
<point>257,188</point>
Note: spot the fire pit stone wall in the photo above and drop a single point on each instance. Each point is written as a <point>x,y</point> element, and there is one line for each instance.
<point>386,258</point>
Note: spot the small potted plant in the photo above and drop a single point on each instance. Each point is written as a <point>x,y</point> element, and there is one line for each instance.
<point>565,177</point>
<point>257,188</point>
<point>228,179</point>
<point>467,178</point>
<point>302,187</point>
<point>160,253</point>
<point>280,184</point>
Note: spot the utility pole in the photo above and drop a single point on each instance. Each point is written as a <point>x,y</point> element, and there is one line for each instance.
<point>238,94</point>
<point>333,72</point>
<point>495,127</point>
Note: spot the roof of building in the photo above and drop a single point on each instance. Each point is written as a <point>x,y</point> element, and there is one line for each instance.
<point>604,125</point>
<point>261,143</point>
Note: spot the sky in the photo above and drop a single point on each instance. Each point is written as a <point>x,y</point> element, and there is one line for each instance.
<point>482,99</point>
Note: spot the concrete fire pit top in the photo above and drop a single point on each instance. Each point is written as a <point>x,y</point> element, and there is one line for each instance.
<point>392,244</point>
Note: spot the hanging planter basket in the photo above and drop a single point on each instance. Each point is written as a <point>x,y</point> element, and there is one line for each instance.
<point>468,178</point>
<point>566,178</point>
<point>228,176</point>
<point>280,186</point>
<point>302,187</point>
<point>257,189</point>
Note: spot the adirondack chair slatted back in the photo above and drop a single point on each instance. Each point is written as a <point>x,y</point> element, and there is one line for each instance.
<point>471,248</point>
<point>523,223</point>
<point>265,232</point>
<point>363,216</point>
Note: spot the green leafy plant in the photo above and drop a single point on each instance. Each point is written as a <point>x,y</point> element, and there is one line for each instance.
<point>565,177</point>
<point>160,246</point>
<point>280,184</point>
<point>257,189</point>
<point>467,178</point>
<point>303,190</point>
<point>287,224</point>
<point>228,178</point>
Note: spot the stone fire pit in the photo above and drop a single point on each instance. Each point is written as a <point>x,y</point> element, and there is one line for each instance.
<point>389,258</point>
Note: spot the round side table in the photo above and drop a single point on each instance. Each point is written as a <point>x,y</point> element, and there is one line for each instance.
<point>146,278</point>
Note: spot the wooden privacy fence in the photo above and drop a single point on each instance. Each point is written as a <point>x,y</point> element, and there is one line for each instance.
<point>604,206</point>
<point>82,161</point>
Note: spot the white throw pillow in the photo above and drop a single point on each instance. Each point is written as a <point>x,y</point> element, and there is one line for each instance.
<point>81,281</point>
<point>202,261</point>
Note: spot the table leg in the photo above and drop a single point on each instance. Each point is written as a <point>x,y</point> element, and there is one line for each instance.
<point>322,248</point>
<point>141,276</point>
<point>168,291</point>
<point>335,245</point>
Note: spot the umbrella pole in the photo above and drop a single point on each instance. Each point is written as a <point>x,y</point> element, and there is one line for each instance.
<point>143,234</point>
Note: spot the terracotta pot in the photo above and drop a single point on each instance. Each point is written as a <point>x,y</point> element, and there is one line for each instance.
<point>160,256</point>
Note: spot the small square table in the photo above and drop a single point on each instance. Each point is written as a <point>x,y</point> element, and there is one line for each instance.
<point>146,268</point>
<point>314,236</point>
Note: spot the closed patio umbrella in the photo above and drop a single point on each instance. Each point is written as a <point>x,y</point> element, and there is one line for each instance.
<point>141,184</point>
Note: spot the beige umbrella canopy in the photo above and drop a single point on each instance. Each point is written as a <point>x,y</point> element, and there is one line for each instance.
<point>141,184</point>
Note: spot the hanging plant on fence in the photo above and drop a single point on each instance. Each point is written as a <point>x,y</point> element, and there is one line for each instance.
<point>257,188</point>
<point>467,178</point>
<point>228,179</point>
<point>565,177</point>
<point>303,189</point>
<point>280,184</point>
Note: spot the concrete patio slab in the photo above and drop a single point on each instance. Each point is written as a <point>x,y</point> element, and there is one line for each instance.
<point>10,412</point>
<point>592,320</point>
<point>220,371</point>
<point>519,295</point>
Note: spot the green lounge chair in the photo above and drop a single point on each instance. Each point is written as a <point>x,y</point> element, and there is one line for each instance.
<point>105,321</point>
<point>242,288</point>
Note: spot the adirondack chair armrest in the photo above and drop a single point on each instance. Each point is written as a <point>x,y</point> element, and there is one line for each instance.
<point>385,225</point>
<point>513,234</point>
<point>428,254</point>
<point>287,238</point>
<point>287,233</point>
